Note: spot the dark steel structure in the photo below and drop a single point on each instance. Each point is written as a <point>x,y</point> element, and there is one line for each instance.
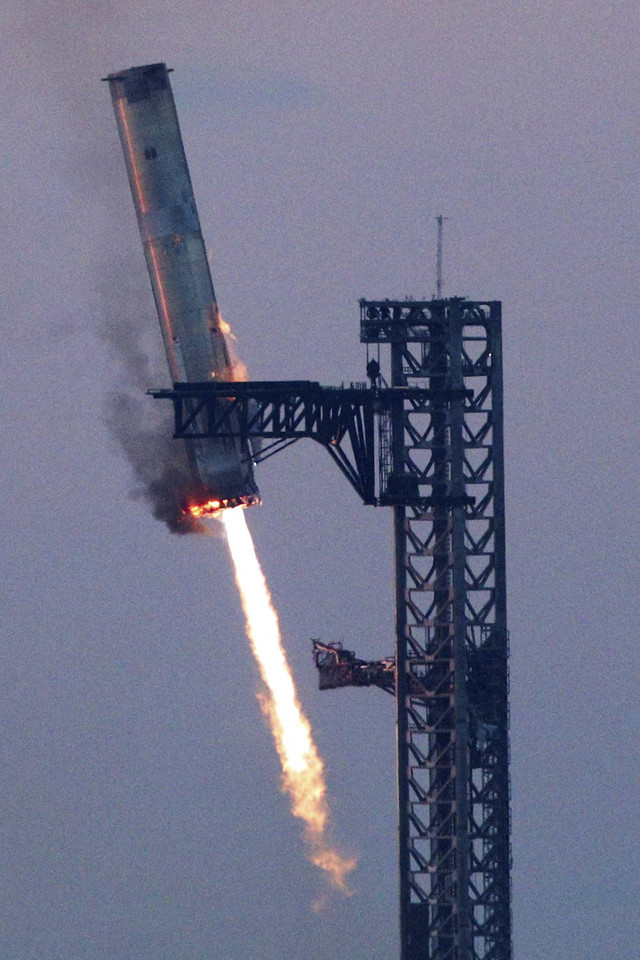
<point>427,440</point>
<point>338,667</point>
<point>453,752</point>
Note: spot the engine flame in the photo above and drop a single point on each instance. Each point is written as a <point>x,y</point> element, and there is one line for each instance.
<point>213,508</point>
<point>226,328</point>
<point>302,768</point>
<point>237,368</point>
<point>209,509</point>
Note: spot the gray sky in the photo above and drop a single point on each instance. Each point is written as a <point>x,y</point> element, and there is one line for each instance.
<point>141,814</point>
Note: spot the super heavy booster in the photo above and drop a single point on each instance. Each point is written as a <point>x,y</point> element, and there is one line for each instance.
<point>178,267</point>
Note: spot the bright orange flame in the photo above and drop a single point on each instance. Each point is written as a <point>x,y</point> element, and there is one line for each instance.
<point>226,328</point>
<point>238,368</point>
<point>209,509</point>
<point>302,768</point>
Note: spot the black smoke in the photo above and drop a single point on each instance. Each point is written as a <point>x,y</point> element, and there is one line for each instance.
<point>141,426</point>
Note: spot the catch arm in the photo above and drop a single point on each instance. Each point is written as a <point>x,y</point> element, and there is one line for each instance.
<point>341,668</point>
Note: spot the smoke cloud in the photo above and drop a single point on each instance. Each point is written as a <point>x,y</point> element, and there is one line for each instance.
<point>161,473</point>
<point>142,427</point>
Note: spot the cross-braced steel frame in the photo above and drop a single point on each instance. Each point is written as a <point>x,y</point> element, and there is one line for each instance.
<point>452,645</point>
<point>440,465</point>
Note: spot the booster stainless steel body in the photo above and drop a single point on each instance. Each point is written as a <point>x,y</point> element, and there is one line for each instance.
<point>177,262</point>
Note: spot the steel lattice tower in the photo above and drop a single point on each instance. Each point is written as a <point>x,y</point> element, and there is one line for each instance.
<point>436,457</point>
<point>451,651</point>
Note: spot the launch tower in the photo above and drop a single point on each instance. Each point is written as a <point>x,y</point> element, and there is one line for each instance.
<point>443,464</point>
<point>426,438</point>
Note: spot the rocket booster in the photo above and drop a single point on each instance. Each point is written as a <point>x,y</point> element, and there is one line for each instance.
<point>178,267</point>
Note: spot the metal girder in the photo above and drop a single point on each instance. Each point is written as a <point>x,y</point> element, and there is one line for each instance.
<point>453,778</point>
<point>341,419</point>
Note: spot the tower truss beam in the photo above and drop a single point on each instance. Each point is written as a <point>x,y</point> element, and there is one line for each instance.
<point>341,419</point>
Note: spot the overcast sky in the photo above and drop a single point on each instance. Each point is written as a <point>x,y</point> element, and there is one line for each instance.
<point>141,815</point>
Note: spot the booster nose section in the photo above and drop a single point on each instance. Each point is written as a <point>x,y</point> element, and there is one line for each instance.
<point>177,263</point>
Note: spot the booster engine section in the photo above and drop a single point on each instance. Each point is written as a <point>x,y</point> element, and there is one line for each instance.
<point>178,267</point>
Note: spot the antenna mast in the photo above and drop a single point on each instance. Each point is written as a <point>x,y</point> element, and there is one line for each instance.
<point>439,220</point>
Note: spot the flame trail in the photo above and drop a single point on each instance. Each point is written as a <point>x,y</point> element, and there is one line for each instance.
<point>302,768</point>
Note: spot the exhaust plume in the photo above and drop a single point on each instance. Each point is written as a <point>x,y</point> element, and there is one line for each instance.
<point>302,768</point>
